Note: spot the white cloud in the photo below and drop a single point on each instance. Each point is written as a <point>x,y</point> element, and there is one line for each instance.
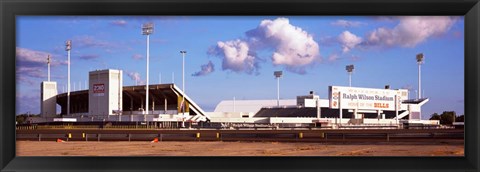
<point>410,31</point>
<point>236,56</point>
<point>32,64</point>
<point>87,41</point>
<point>135,76</point>
<point>137,56</point>
<point>333,57</point>
<point>349,41</point>
<point>28,75</point>
<point>89,56</point>
<point>33,58</point>
<point>205,69</point>
<point>346,23</point>
<point>119,22</point>
<point>32,72</point>
<point>294,47</point>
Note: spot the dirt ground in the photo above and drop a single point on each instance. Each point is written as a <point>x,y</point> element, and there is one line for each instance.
<point>175,148</point>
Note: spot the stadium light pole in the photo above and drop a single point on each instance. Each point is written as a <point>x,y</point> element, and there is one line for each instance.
<point>183,52</point>
<point>147,29</point>
<point>420,61</point>
<point>68,47</point>
<point>350,70</point>
<point>277,75</point>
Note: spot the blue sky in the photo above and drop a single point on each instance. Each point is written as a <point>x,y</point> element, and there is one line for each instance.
<point>234,56</point>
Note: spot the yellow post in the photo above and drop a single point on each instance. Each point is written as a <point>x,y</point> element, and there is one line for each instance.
<point>218,135</point>
<point>300,135</point>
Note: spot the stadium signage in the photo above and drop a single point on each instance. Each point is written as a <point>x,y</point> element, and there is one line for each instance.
<point>98,89</point>
<point>365,98</point>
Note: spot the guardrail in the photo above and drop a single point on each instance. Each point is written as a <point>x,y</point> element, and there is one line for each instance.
<point>120,134</point>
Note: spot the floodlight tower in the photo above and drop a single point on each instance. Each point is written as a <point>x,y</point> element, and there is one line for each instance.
<point>277,75</point>
<point>350,71</point>
<point>147,29</point>
<point>68,47</point>
<point>420,60</point>
<point>183,52</point>
<point>48,64</point>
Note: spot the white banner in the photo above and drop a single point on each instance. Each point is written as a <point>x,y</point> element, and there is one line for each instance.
<point>365,98</point>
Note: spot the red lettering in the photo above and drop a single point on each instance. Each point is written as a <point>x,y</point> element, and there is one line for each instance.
<point>98,88</point>
<point>380,105</point>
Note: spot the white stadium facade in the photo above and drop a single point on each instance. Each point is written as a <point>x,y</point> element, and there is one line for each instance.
<point>108,100</point>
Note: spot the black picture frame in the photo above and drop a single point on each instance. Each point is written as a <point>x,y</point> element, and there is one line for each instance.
<point>11,8</point>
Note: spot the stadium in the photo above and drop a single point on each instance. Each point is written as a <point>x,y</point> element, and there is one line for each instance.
<point>107,100</point>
